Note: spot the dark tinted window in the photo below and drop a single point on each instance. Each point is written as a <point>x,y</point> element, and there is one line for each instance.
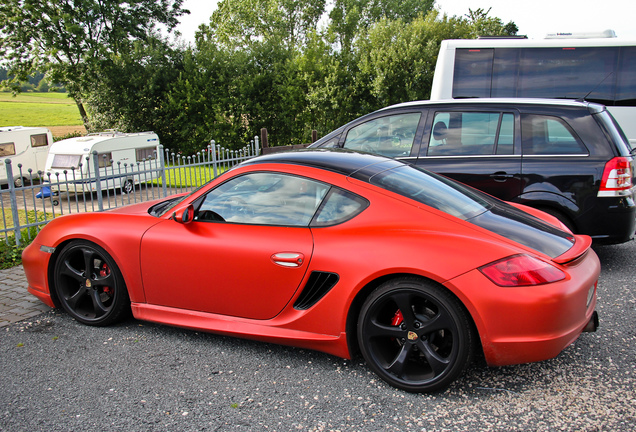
<point>432,190</point>
<point>600,74</point>
<point>472,73</point>
<point>475,207</point>
<point>626,87</point>
<point>548,135</point>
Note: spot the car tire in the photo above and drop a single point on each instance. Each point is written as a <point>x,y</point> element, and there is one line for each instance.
<point>89,285</point>
<point>415,335</point>
<point>128,187</point>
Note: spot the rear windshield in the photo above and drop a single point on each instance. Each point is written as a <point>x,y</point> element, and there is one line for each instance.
<point>433,190</point>
<point>475,207</point>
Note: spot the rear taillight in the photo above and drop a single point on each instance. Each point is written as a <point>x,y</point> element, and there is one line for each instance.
<point>617,177</point>
<point>521,270</point>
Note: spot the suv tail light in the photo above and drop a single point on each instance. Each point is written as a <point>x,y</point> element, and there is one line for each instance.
<point>617,178</point>
<point>521,270</point>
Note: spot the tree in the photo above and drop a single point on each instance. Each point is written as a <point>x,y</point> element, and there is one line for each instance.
<point>239,23</point>
<point>130,91</point>
<point>69,39</point>
<point>349,17</point>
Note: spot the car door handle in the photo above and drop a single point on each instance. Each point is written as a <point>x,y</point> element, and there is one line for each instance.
<point>501,176</point>
<point>288,259</point>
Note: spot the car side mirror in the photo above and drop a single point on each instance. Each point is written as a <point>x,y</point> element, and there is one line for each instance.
<point>184,215</point>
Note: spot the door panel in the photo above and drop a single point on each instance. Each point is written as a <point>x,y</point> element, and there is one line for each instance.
<point>228,269</point>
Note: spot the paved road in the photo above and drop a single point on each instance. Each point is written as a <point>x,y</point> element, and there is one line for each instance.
<point>58,375</point>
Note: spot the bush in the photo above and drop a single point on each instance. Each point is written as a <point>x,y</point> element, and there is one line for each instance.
<point>10,254</point>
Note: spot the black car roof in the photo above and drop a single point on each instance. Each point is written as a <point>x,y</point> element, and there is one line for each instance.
<point>349,163</point>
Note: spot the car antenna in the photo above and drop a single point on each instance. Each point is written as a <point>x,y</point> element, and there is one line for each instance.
<point>583,99</point>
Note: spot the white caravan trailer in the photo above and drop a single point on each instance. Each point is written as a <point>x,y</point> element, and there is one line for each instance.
<point>124,159</point>
<point>28,146</point>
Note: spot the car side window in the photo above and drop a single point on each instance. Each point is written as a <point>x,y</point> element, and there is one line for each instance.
<point>549,135</point>
<point>264,198</point>
<point>471,133</point>
<point>391,136</point>
<point>340,206</point>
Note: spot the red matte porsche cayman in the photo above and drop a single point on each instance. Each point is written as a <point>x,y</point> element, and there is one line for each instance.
<point>338,252</point>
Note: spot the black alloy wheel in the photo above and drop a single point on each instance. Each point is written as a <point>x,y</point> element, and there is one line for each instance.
<point>415,335</point>
<point>89,284</point>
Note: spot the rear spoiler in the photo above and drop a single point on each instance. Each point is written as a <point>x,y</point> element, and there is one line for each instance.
<point>580,247</point>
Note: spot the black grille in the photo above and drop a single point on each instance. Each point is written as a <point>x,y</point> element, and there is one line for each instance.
<point>318,285</point>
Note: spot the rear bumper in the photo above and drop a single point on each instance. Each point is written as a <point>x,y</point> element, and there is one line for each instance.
<point>612,222</point>
<point>528,324</point>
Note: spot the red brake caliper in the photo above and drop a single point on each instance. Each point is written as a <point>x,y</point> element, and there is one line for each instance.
<point>397,318</point>
<point>103,272</point>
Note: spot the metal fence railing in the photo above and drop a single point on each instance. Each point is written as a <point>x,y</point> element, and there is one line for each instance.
<point>43,196</point>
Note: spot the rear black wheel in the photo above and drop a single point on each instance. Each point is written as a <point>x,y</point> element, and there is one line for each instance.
<point>415,335</point>
<point>89,284</point>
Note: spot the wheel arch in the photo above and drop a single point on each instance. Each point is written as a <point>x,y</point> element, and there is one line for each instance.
<point>356,305</point>
<point>55,256</point>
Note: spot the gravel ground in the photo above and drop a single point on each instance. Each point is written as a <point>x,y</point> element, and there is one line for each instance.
<point>58,375</point>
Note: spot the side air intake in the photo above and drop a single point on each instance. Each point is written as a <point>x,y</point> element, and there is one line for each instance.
<point>318,285</point>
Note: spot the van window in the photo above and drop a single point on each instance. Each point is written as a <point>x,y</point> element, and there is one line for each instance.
<point>548,135</point>
<point>66,161</point>
<point>105,159</point>
<point>7,149</point>
<point>39,140</point>
<point>146,153</point>
<point>390,136</point>
<point>471,133</point>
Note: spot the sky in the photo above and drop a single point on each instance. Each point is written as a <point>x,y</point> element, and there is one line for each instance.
<point>535,18</point>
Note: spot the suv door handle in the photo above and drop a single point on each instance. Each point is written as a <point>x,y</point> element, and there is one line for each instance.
<point>501,176</point>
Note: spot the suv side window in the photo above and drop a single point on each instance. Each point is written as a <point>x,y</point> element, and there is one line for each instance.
<point>471,133</point>
<point>391,136</point>
<point>548,135</point>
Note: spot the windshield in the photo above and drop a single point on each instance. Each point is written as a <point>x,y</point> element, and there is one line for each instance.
<point>61,161</point>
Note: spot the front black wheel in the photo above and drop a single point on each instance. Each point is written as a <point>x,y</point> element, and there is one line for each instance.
<point>89,284</point>
<point>415,335</point>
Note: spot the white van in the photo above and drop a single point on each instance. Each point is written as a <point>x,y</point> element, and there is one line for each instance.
<point>28,146</point>
<point>124,159</point>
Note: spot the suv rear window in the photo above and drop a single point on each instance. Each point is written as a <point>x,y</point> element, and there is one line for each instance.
<point>548,135</point>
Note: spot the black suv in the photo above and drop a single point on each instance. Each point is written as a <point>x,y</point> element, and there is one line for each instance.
<point>567,158</point>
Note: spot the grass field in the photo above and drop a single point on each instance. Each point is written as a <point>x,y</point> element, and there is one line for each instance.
<point>53,110</point>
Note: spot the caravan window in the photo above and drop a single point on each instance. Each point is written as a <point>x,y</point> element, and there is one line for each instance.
<point>7,149</point>
<point>146,153</point>
<point>105,159</point>
<point>39,140</point>
<point>66,161</point>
